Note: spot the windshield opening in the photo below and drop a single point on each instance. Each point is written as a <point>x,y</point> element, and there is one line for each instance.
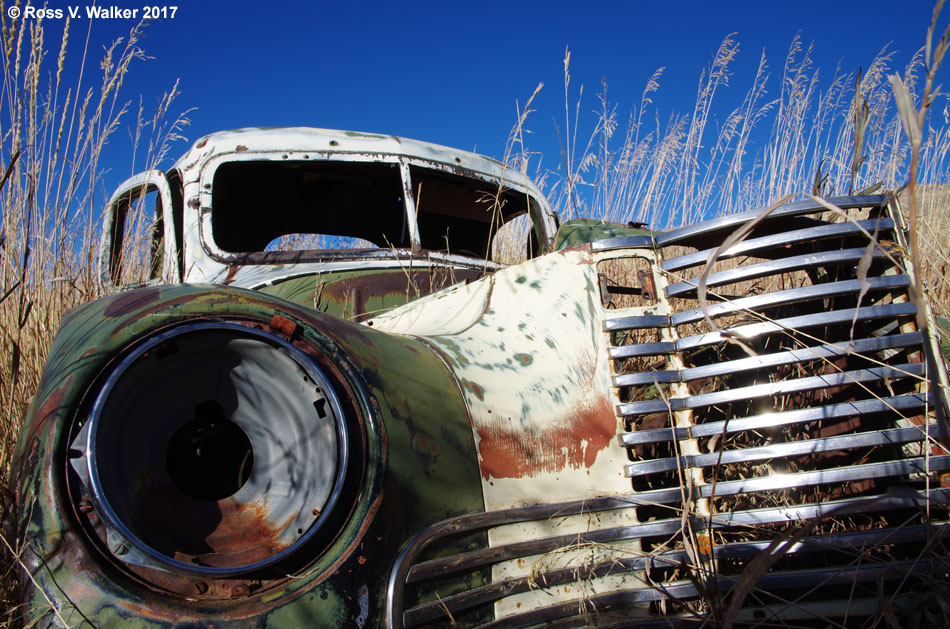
<point>299,206</point>
<point>304,205</point>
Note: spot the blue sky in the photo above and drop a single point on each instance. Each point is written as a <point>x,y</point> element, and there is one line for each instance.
<point>452,72</point>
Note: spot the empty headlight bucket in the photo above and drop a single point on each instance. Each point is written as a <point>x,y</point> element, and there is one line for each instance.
<point>212,449</point>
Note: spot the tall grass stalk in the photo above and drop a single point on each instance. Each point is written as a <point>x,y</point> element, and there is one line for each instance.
<point>54,130</point>
<point>834,136</point>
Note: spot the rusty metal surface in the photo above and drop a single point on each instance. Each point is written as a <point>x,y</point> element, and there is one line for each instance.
<point>524,444</point>
<point>413,424</point>
<point>738,446</point>
<point>525,346</point>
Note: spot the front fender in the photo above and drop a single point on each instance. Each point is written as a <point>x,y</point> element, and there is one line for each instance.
<point>412,424</point>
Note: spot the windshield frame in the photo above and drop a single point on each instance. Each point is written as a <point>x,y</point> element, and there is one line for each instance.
<point>405,163</point>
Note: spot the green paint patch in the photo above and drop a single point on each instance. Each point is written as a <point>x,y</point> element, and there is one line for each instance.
<point>476,389</point>
<point>521,279</point>
<point>580,313</point>
<point>524,359</point>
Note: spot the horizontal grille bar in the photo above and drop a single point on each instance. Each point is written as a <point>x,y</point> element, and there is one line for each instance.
<point>731,221</point>
<point>642,349</point>
<point>790,296</point>
<point>753,245</point>
<point>895,436</point>
<point>774,388</point>
<point>752,330</point>
<point>803,322</point>
<point>771,420</point>
<point>789,357</point>
<point>889,469</point>
<point>774,267</point>
<point>636,323</point>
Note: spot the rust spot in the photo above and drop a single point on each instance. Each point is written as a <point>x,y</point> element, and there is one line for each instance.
<point>47,411</point>
<point>524,359</point>
<point>232,273</point>
<point>361,560</point>
<point>283,326</point>
<point>425,446</point>
<point>201,144</point>
<point>211,533</point>
<point>240,525</point>
<point>704,543</point>
<point>575,440</point>
<point>240,149</point>
<point>194,203</point>
<point>126,303</point>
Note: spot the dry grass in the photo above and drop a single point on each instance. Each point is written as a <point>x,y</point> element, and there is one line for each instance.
<point>828,137</point>
<point>53,132</point>
<point>835,137</point>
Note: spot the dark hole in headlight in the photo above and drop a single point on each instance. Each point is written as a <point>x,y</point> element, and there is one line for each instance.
<point>209,457</point>
<point>213,449</point>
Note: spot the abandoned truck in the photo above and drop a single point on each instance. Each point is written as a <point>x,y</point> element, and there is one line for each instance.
<point>367,381</point>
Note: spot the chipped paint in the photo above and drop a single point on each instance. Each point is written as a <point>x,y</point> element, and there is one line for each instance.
<point>574,442</point>
<point>539,394</point>
<point>469,388</point>
<point>408,405</point>
<point>528,350</point>
<point>363,600</point>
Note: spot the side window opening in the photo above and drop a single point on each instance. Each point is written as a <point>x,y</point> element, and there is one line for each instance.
<point>515,241</point>
<point>138,238</point>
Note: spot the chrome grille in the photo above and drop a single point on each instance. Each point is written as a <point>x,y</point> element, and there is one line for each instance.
<point>796,399</point>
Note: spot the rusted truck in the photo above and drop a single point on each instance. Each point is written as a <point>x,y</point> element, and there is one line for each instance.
<point>366,381</point>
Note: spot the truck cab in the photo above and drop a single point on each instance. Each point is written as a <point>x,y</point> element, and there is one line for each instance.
<point>351,223</point>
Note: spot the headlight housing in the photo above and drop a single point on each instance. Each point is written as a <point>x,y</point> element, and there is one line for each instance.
<point>213,449</point>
